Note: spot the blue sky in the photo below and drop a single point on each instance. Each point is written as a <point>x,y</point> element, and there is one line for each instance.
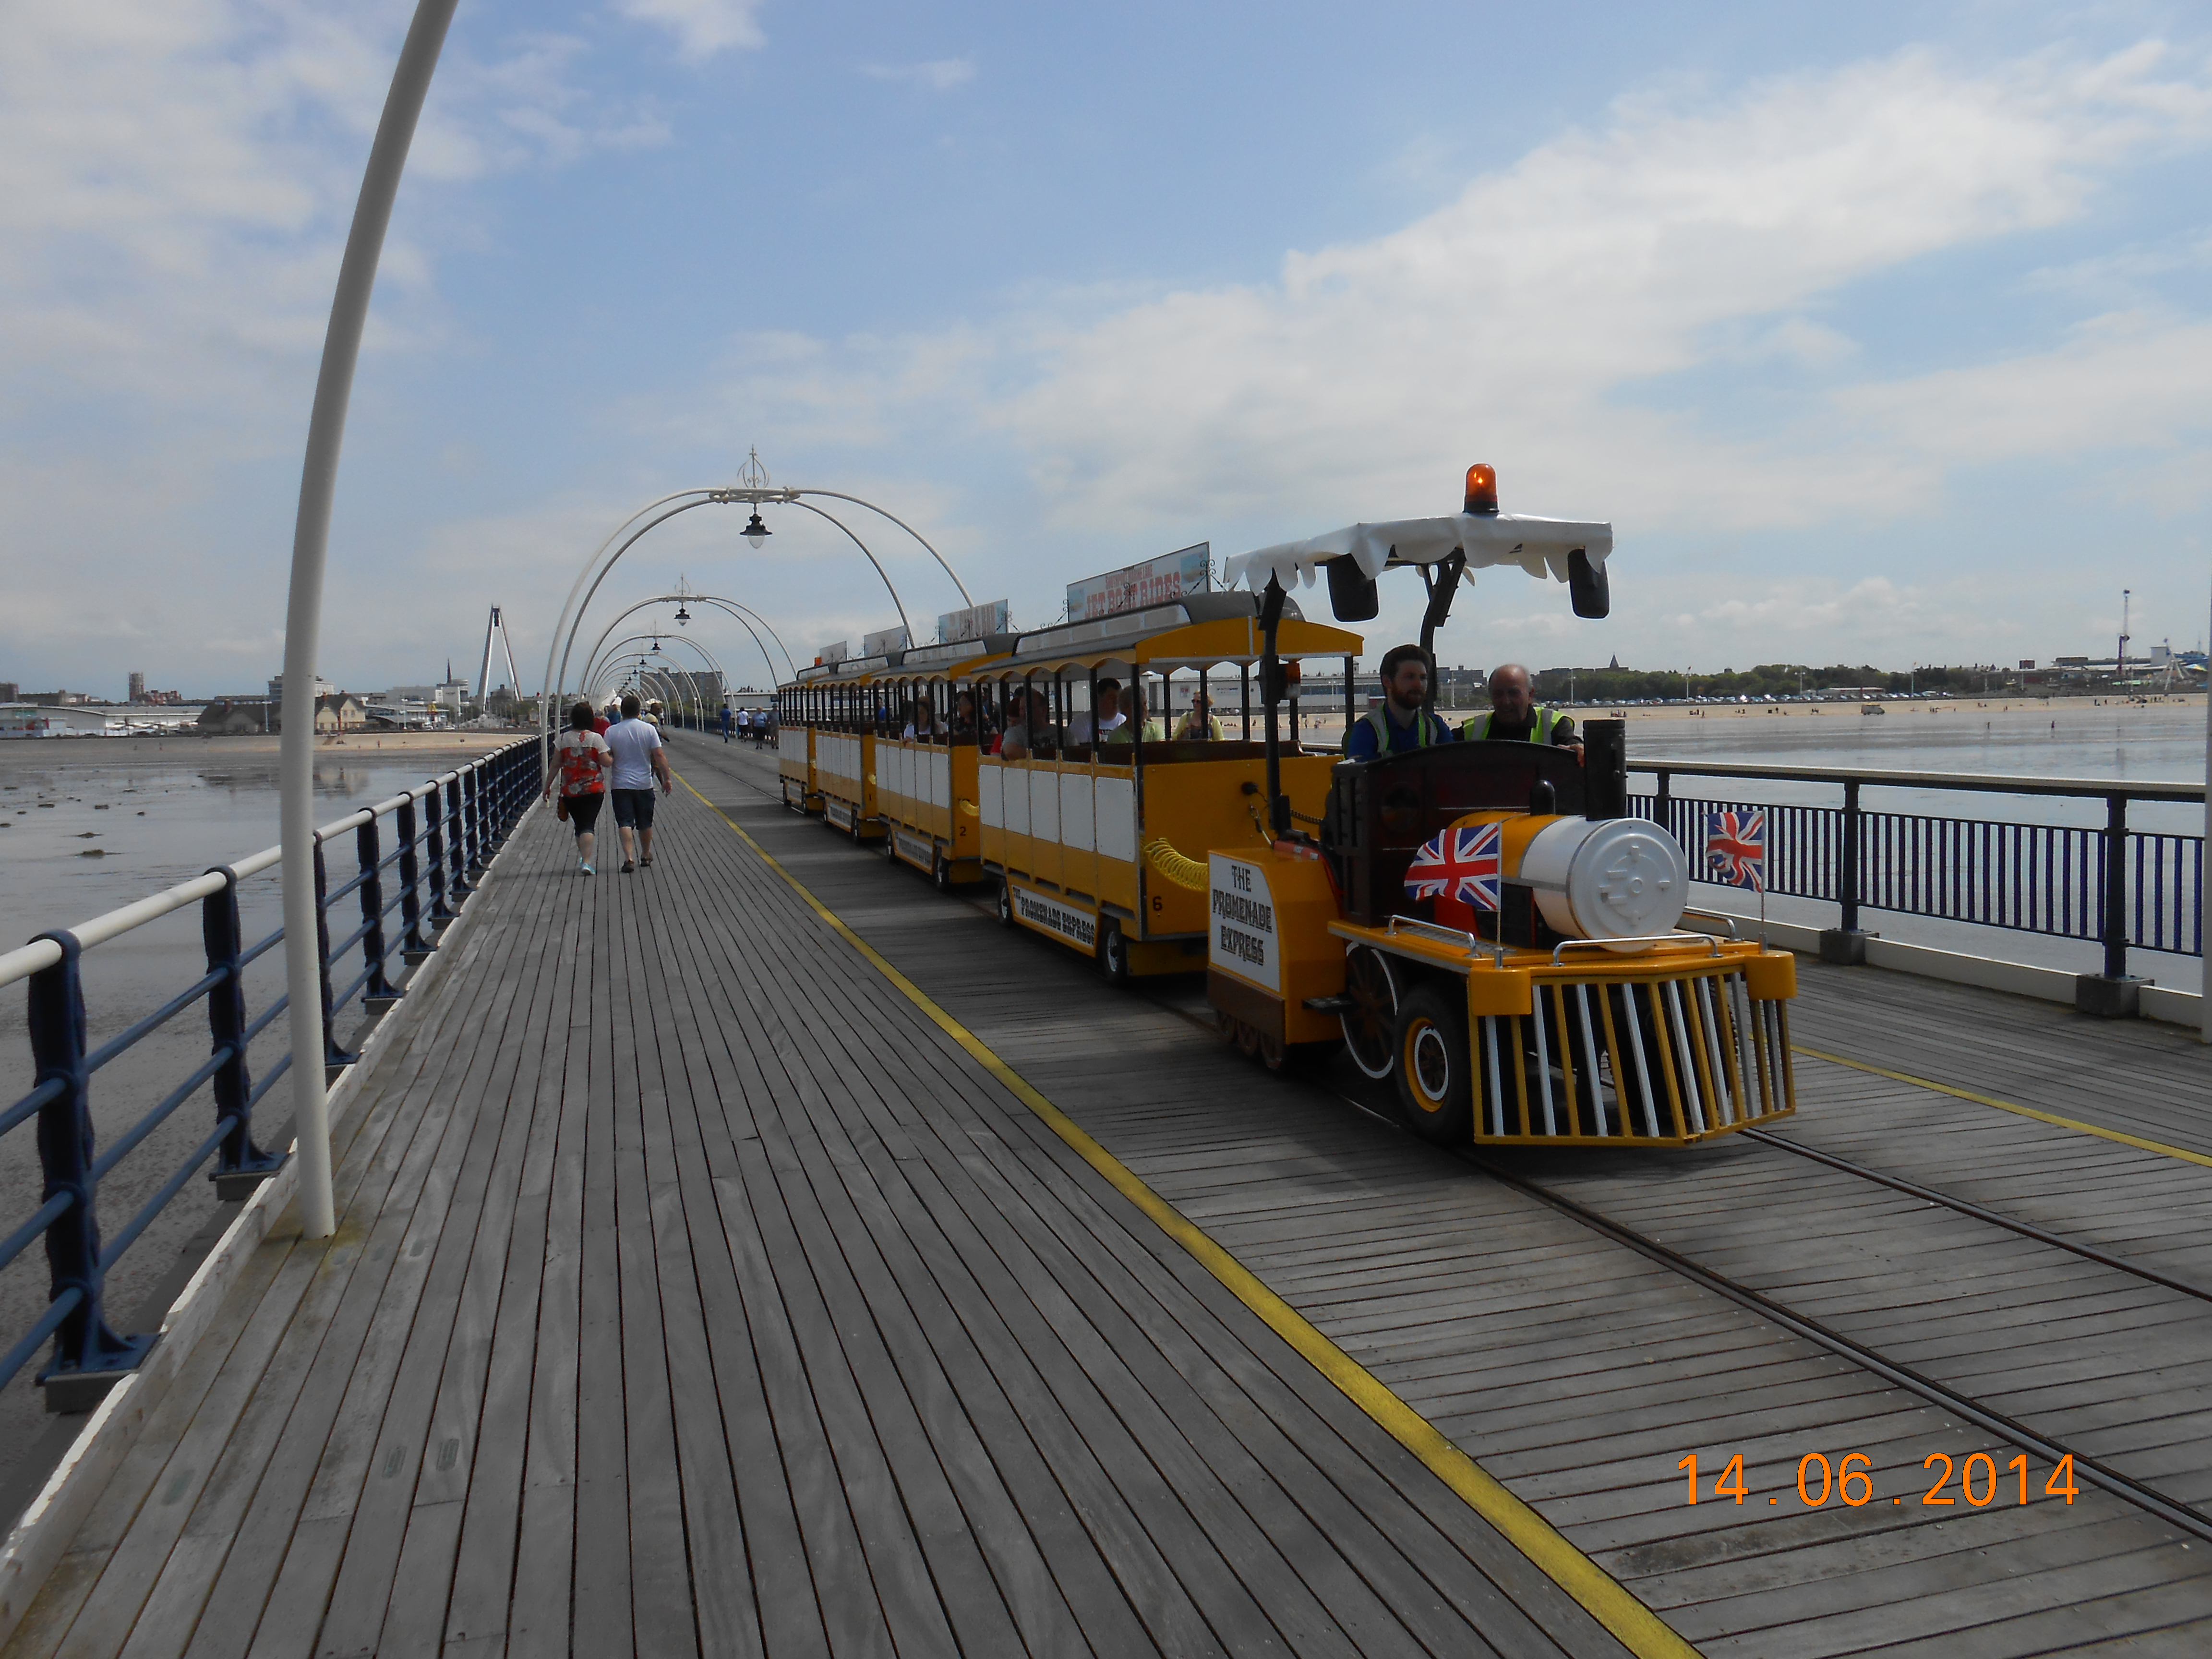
<point>1879,332</point>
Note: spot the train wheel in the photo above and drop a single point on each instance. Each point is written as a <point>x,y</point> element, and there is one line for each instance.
<point>1006,902</point>
<point>1272,1053</point>
<point>1113,954</point>
<point>890,847</point>
<point>1370,1025</point>
<point>940,872</point>
<point>1435,1064</point>
<point>1248,1040</point>
<point>1224,1026</point>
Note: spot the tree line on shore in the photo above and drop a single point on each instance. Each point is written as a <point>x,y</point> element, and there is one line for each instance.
<point>1590,685</point>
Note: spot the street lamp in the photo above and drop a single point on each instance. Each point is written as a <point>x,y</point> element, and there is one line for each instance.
<point>755,531</point>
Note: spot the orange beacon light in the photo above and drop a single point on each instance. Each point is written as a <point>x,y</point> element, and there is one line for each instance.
<point>1481,489</point>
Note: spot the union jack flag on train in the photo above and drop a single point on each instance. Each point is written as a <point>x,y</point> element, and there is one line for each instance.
<point>1461,864</point>
<point>1736,849</point>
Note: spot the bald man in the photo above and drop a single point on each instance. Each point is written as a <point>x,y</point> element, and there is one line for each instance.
<point>1514,714</point>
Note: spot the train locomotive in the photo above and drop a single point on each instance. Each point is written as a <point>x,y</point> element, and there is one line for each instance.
<point>1485,924</point>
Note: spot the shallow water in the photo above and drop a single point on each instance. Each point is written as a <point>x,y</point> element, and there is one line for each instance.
<point>93,825</point>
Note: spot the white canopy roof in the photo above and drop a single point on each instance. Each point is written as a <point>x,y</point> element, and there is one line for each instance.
<point>1538,546</point>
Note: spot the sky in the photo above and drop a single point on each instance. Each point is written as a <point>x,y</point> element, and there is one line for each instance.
<point>1879,333</point>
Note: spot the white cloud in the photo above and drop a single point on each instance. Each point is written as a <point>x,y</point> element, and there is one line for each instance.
<point>176,179</point>
<point>702,27</point>
<point>1534,320</point>
<point>941,75</point>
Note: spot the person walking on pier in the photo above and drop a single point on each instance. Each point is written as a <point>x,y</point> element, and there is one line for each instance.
<point>638,762</point>
<point>583,763</point>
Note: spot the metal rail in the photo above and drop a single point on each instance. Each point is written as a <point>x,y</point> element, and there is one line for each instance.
<point>2123,888</point>
<point>446,830</point>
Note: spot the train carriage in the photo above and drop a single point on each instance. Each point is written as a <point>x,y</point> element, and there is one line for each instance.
<point>1098,836</point>
<point>926,759</point>
<point>798,713</point>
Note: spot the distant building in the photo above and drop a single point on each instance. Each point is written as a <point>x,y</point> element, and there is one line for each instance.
<point>339,712</point>
<point>138,686</point>
<point>8,691</point>
<point>230,717</point>
<point>323,688</point>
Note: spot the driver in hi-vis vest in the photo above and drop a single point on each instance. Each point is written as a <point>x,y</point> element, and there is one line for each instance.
<point>1515,715</point>
<point>1404,722</point>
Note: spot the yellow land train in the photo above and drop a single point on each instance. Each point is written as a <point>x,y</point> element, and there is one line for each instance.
<point>1128,820</point>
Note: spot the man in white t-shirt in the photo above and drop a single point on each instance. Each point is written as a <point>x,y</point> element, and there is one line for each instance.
<point>1083,729</point>
<point>638,762</point>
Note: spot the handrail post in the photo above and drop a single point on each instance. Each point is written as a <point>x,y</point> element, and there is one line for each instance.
<point>376,991</point>
<point>87,1356</point>
<point>1662,803</point>
<point>1846,943</point>
<point>412,945</point>
<point>2112,994</point>
<point>457,883</point>
<point>239,1165</point>
<point>434,847</point>
<point>335,1058</point>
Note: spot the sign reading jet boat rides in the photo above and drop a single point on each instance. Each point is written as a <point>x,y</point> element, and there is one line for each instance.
<point>976,621</point>
<point>1157,582</point>
<point>828,655</point>
<point>884,643</point>
<point>1242,939</point>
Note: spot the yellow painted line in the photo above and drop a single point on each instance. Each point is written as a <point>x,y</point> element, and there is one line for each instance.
<point>2096,1129</point>
<point>1637,1628</point>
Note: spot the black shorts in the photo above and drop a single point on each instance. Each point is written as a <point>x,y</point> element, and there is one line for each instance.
<point>632,808</point>
<point>584,810</point>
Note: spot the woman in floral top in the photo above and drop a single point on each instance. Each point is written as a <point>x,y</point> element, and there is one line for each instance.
<point>582,763</point>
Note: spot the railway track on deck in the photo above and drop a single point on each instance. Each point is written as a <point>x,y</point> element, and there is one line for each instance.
<point>2094,1470</point>
<point>2098,1471</point>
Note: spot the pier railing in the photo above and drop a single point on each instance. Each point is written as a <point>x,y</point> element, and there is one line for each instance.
<point>2114,884</point>
<point>442,833</point>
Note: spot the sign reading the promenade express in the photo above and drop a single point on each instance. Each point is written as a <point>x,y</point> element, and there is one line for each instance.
<point>1157,582</point>
<point>883,644</point>
<point>830,654</point>
<point>974,623</point>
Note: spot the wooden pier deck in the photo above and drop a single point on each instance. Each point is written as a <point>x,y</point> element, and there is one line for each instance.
<point>752,1257</point>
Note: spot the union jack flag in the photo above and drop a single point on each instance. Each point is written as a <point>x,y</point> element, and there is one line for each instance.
<point>1736,849</point>
<point>1461,864</point>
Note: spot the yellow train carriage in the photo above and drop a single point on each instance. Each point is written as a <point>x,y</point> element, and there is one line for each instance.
<point>926,752</point>
<point>849,703</point>
<point>799,711</point>
<point>1113,773</point>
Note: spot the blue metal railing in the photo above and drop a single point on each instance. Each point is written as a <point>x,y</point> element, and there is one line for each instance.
<point>2120,887</point>
<point>463,817</point>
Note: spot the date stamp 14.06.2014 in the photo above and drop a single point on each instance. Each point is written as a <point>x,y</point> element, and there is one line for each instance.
<point>1976,1481</point>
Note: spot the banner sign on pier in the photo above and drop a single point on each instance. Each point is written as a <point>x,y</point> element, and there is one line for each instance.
<point>1157,582</point>
<point>975,622</point>
<point>828,655</point>
<point>884,643</point>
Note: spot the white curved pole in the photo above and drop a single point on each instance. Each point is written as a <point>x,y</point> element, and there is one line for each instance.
<point>870,558</point>
<point>311,535</point>
<point>704,599</point>
<point>601,664</point>
<point>612,560</point>
<point>568,604</point>
<point>839,496</point>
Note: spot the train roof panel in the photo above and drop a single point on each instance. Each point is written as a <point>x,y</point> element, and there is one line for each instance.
<point>1538,546</point>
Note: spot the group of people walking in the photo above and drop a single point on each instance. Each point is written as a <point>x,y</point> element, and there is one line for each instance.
<point>597,758</point>
<point>754,723</point>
